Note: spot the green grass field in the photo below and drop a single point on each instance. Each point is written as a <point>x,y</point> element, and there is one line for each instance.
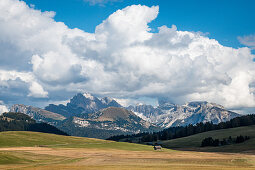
<point>194,142</point>
<point>33,150</point>
<point>33,139</point>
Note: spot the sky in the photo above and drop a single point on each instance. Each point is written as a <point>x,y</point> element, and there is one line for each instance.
<point>131,50</point>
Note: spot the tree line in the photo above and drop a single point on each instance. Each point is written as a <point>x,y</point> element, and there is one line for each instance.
<point>216,142</point>
<point>179,132</point>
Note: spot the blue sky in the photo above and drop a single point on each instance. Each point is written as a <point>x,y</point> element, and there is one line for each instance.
<point>181,51</point>
<point>224,20</point>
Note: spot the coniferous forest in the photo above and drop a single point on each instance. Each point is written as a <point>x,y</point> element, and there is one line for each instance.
<point>226,141</point>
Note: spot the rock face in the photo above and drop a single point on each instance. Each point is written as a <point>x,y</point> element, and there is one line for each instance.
<point>37,113</point>
<point>170,115</point>
<point>82,104</point>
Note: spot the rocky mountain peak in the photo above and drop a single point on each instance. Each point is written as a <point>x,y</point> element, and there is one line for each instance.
<point>85,98</point>
<point>83,104</point>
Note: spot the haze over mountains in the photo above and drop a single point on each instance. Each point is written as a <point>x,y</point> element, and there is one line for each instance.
<point>90,116</point>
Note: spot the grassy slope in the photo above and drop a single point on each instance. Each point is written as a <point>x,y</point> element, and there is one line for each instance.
<point>195,140</point>
<point>15,139</point>
<point>31,139</point>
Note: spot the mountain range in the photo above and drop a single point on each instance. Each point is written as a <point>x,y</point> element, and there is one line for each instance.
<point>89,116</point>
<point>169,115</point>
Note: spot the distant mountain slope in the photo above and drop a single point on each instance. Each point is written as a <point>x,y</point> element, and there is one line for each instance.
<point>82,104</point>
<point>170,115</point>
<point>37,113</point>
<point>105,123</point>
<point>22,122</point>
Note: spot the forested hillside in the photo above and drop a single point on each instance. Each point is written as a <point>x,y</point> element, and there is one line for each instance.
<point>21,122</point>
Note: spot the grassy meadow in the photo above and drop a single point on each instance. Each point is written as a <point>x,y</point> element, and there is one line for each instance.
<point>32,150</point>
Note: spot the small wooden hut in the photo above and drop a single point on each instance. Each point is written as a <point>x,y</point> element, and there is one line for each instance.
<point>157,147</point>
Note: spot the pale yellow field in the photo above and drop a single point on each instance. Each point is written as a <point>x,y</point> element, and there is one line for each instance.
<point>91,158</point>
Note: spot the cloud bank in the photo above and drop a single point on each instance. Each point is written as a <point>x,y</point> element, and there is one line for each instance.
<point>45,60</point>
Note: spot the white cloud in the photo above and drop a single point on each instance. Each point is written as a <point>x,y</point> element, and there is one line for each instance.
<point>100,2</point>
<point>36,90</point>
<point>12,79</point>
<point>3,108</point>
<point>248,41</point>
<point>122,59</point>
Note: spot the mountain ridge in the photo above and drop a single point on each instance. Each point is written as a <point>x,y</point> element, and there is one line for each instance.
<point>37,113</point>
<point>168,114</point>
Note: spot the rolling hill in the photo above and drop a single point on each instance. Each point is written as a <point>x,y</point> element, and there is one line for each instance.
<point>32,139</point>
<point>194,142</point>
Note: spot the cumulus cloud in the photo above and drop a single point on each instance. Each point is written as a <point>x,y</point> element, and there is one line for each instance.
<point>248,40</point>
<point>122,59</point>
<point>13,83</point>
